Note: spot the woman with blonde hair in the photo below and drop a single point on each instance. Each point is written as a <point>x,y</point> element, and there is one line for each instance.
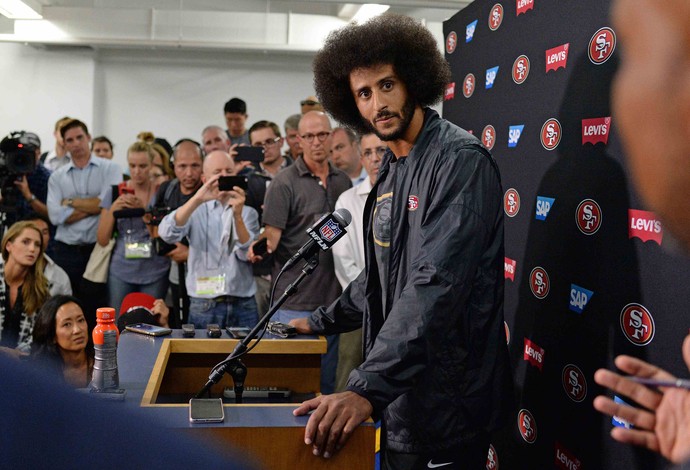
<point>161,157</point>
<point>23,287</point>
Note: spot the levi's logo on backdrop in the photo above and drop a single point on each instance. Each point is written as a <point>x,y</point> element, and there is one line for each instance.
<point>511,202</point>
<point>495,17</point>
<point>450,92</point>
<point>451,42</point>
<point>522,6</point>
<point>637,324</point>
<point>544,205</point>
<point>539,282</point>
<point>551,134</point>
<point>588,216</point>
<point>489,136</point>
<point>557,57</point>
<point>469,31</point>
<point>565,459</point>
<point>509,268</point>
<point>491,76</point>
<point>520,69</point>
<point>574,383</point>
<point>579,298</point>
<point>527,426</point>
<point>534,354</point>
<point>468,85</point>
<point>596,130</point>
<point>645,226</point>
<point>514,133</point>
<point>602,45</point>
<point>492,459</point>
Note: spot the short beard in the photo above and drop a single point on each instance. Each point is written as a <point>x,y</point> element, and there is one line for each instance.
<point>406,118</point>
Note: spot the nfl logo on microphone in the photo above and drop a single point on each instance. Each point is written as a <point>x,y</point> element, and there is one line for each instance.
<point>330,231</point>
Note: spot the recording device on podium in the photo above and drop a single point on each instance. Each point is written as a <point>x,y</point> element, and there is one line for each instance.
<point>323,234</point>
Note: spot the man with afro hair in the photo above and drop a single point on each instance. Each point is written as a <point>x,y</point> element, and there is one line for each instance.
<point>430,299</point>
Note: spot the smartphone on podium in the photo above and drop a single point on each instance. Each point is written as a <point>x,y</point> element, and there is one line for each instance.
<point>206,410</point>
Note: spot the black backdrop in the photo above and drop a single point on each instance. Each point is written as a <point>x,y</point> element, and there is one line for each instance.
<point>590,272</point>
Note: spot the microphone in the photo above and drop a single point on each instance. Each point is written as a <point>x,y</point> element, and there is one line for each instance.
<point>323,235</point>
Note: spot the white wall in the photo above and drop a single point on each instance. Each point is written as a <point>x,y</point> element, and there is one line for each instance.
<point>120,93</point>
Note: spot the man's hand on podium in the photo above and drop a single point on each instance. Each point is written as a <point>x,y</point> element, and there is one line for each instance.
<point>335,418</point>
<point>302,326</point>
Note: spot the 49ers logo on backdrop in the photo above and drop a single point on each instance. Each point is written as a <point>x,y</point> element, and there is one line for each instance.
<point>588,216</point>
<point>451,42</point>
<point>527,426</point>
<point>637,324</point>
<point>489,137</point>
<point>520,69</point>
<point>551,134</point>
<point>539,282</point>
<point>496,17</point>
<point>511,202</point>
<point>602,45</point>
<point>468,85</point>
<point>574,383</point>
<point>492,459</point>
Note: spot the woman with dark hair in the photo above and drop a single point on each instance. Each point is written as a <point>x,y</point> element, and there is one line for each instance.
<point>23,287</point>
<point>101,146</point>
<point>61,339</point>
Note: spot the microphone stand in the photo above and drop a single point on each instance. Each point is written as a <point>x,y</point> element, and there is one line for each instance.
<point>237,369</point>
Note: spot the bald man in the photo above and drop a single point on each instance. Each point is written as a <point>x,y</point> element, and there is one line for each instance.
<point>220,228</point>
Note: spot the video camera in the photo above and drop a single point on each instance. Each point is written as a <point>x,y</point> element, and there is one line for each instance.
<point>17,158</point>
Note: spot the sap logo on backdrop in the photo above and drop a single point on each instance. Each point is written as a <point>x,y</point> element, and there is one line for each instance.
<point>588,216</point>
<point>511,202</point>
<point>451,42</point>
<point>637,324</point>
<point>596,130</point>
<point>539,282</point>
<point>522,6</point>
<point>544,205</point>
<point>551,134</point>
<point>617,420</point>
<point>520,69</point>
<point>579,297</point>
<point>492,459</point>
<point>489,137</point>
<point>509,268</point>
<point>527,426</point>
<point>469,31</point>
<point>491,76</point>
<point>514,133</point>
<point>468,85</point>
<point>496,17</point>
<point>574,383</point>
<point>450,92</point>
<point>557,57</point>
<point>534,354</point>
<point>565,459</point>
<point>645,226</point>
<point>602,45</point>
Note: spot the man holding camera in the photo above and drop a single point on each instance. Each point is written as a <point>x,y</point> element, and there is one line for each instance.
<point>220,228</point>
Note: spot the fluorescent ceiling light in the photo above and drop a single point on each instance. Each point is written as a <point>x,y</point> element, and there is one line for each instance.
<point>16,9</point>
<point>368,11</point>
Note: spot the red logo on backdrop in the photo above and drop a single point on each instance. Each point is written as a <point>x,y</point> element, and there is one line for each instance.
<point>637,324</point>
<point>574,383</point>
<point>522,6</point>
<point>602,45</point>
<point>534,354</point>
<point>511,202</point>
<point>539,282</point>
<point>468,85</point>
<point>645,226</point>
<point>450,92</point>
<point>492,459</point>
<point>551,134</point>
<point>588,216</point>
<point>520,69</point>
<point>509,268</point>
<point>507,330</point>
<point>565,459</point>
<point>557,57</point>
<point>412,203</point>
<point>489,136</point>
<point>527,426</point>
<point>496,17</point>
<point>451,42</point>
<point>596,130</point>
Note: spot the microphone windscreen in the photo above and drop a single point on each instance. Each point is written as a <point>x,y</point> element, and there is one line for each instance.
<point>343,216</point>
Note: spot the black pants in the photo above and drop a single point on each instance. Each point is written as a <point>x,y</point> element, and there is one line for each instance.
<point>471,455</point>
<point>73,259</point>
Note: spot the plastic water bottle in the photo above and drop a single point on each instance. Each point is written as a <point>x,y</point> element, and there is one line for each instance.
<point>105,337</point>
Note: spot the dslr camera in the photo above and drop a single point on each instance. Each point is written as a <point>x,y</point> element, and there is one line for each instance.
<point>17,158</point>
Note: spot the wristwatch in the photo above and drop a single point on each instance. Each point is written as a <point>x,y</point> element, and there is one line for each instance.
<point>68,202</point>
<point>31,199</point>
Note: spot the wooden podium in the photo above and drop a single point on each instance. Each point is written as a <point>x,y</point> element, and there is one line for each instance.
<point>164,373</point>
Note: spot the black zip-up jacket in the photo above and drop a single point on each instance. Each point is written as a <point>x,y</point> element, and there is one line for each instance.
<point>436,362</point>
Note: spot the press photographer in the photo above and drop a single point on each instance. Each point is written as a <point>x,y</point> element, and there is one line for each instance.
<point>23,180</point>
